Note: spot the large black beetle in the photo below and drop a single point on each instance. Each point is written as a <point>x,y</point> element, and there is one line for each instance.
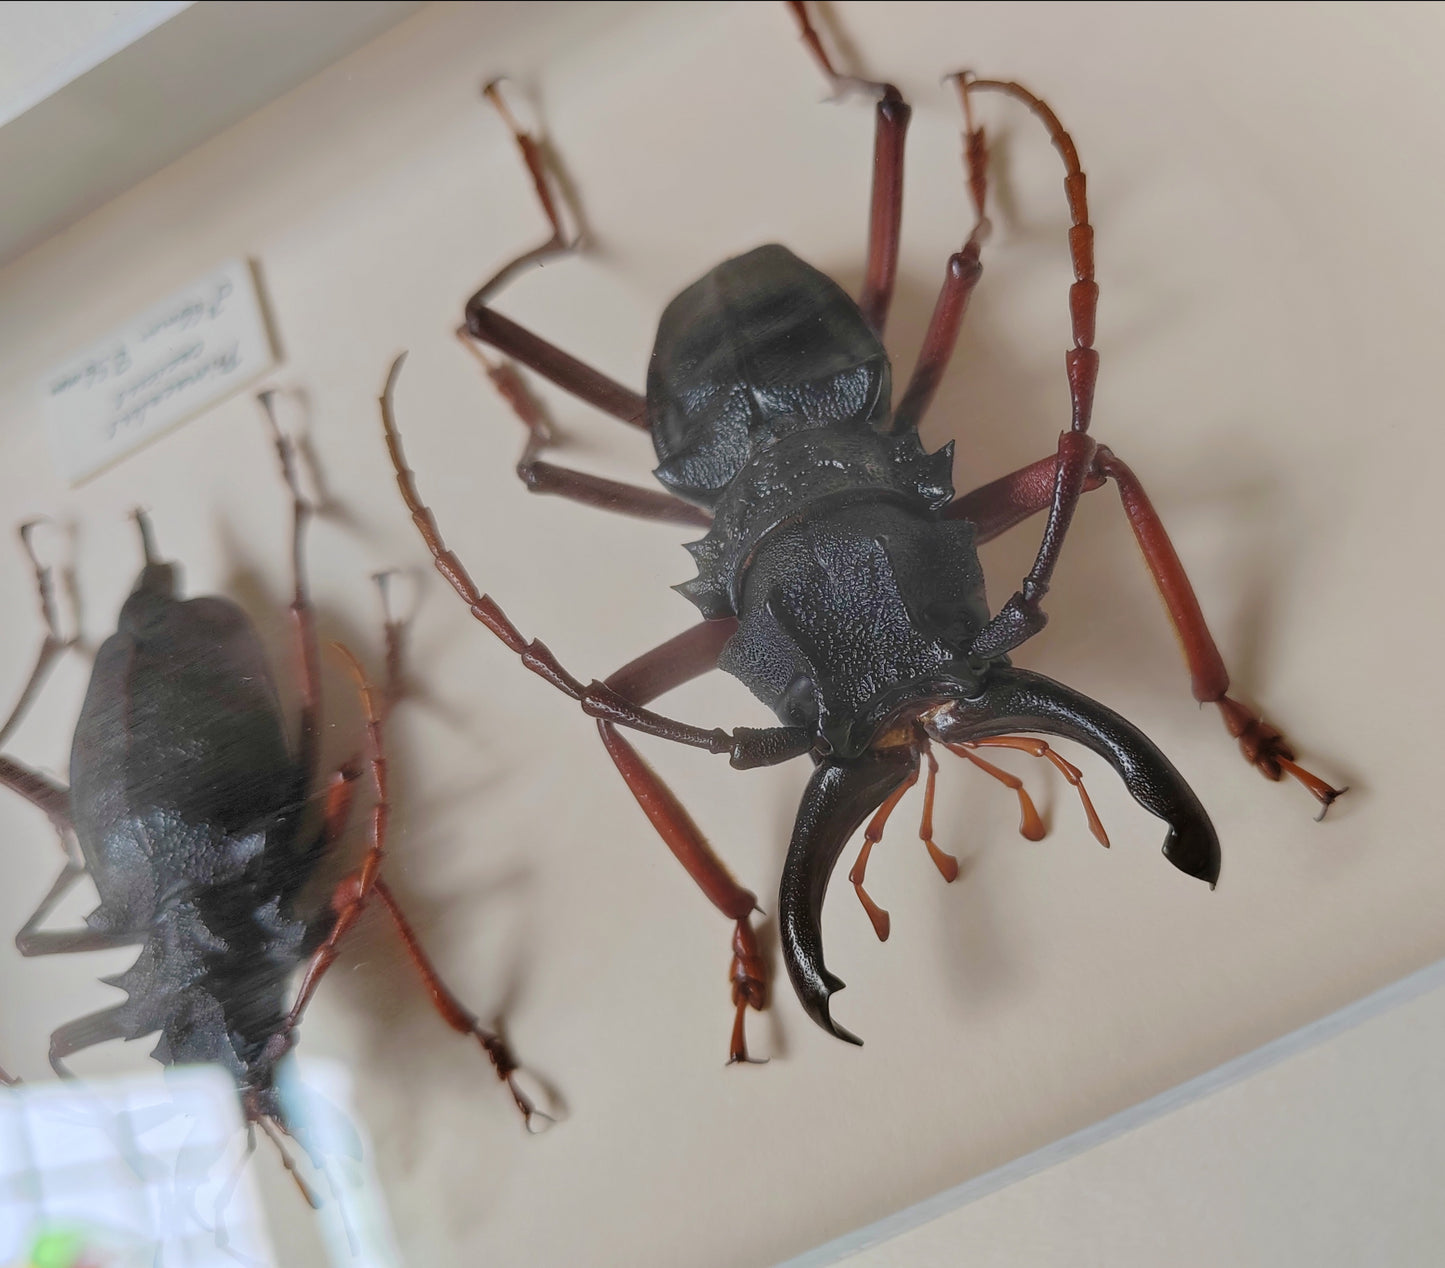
<point>202,827</point>
<point>839,576</point>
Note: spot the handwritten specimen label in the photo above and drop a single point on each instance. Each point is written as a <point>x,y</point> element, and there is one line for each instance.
<point>159,369</point>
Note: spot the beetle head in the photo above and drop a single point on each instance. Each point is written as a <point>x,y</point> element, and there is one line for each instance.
<point>1004,701</point>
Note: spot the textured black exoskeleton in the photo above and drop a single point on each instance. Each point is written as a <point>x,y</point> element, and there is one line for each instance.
<point>839,577</point>
<point>202,827</point>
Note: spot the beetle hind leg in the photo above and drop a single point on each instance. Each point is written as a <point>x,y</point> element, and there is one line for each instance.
<point>484,325</point>
<point>885,218</point>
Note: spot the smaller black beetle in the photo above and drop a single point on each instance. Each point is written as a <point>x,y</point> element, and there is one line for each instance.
<point>202,828</point>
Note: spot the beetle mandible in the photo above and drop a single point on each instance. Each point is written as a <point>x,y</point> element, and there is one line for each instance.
<point>201,826</point>
<point>839,577</point>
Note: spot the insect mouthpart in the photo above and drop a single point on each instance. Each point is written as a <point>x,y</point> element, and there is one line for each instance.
<point>892,717</point>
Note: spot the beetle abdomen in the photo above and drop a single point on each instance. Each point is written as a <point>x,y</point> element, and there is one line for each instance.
<point>212,981</point>
<point>759,347</point>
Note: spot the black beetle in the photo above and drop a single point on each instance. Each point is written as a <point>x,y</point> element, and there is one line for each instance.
<point>202,827</point>
<point>839,576</point>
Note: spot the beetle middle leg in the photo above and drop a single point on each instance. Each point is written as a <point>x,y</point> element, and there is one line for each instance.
<point>998,506</point>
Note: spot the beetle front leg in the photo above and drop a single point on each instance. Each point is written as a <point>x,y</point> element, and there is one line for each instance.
<point>996,507</point>
<point>675,662</point>
<point>1263,746</point>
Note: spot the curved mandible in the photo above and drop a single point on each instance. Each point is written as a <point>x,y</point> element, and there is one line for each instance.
<point>838,798</point>
<point>1015,700</point>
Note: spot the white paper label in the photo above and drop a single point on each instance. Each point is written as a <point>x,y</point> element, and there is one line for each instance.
<point>159,369</point>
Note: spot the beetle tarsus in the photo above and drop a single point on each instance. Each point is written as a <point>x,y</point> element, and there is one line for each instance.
<point>1265,748</point>
<point>750,989</point>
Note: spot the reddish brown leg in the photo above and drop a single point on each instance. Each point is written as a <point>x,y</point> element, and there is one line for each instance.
<point>487,326</point>
<point>964,270</point>
<point>458,1017</point>
<point>303,615</point>
<point>559,243</point>
<point>36,788</point>
<point>353,893</point>
<point>392,631</point>
<point>1023,616</point>
<point>675,662</point>
<point>1037,748</point>
<point>885,215</point>
<point>746,746</point>
<point>1031,825</point>
<point>578,486</point>
<point>357,890</point>
<point>1003,504</point>
<point>997,507</point>
<point>1263,746</point>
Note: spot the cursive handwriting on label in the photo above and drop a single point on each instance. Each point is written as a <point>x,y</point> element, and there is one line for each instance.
<point>160,368</point>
